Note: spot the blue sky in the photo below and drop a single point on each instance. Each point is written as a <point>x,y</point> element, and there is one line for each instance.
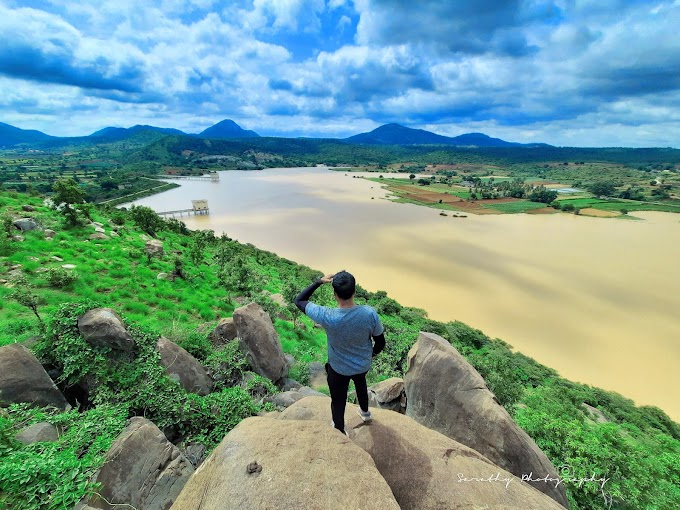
<point>565,72</point>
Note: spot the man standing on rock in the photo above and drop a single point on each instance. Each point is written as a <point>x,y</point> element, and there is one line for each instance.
<point>349,329</point>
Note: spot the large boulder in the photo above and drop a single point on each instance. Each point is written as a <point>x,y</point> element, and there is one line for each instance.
<point>266,463</point>
<point>425,469</point>
<point>445,393</point>
<point>103,327</point>
<point>183,367</point>
<point>154,248</point>
<point>224,332</point>
<point>25,224</point>
<point>23,379</point>
<point>388,394</point>
<point>142,470</point>
<point>259,341</point>
<point>37,433</point>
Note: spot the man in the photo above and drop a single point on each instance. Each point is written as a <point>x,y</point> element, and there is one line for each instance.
<point>349,329</point>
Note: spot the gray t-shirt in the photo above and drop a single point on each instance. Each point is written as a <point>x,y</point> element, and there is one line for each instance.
<point>349,332</point>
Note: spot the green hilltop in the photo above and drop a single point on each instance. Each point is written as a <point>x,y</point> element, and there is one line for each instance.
<point>202,278</point>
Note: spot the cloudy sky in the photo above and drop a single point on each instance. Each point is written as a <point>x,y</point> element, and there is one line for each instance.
<point>565,72</point>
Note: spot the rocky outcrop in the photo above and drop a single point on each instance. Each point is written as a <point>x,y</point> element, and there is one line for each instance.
<point>25,224</point>
<point>142,469</point>
<point>425,469</point>
<point>154,248</point>
<point>98,236</point>
<point>23,379</point>
<point>317,375</point>
<point>594,414</point>
<point>224,332</point>
<point>445,393</point>
<point>183,367</point>
<point>388,394</point>
<point>267,463</point>
<point>103,327</point>
<point>259,341</point>
<point>287,398</point>
<point>37,433</point>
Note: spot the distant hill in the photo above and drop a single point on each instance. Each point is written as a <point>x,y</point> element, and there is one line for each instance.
<point>227,129</point>
<point>117,133</point>
<point>10,135</point>
<point>396,134</point>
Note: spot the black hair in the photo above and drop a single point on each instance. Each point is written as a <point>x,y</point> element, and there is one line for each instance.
<point>344,285</point>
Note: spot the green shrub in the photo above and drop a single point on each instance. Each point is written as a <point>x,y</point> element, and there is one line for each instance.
<point>568,207</point>
<point>227,365</point>
<point>196,344</point>
<point>300,372</point>
<point>213,416</point>
<point>259,387</point>
<point>55,475</point>
<point>60,278</point>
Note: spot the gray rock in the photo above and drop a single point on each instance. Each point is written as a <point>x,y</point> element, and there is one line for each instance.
<point>183,367</point>
<point>317,375</point>
<point>594,414</point>
<point>162,276</point>
<point>224,332</point>
<point>286,399</point>
<point>388,394</point>
<point>142,469</point>
<point>103,327</point>
<point>25,224</point>
<point>49,233</point>
<point>154,248</point>
<point>68,266</point>
<point>278,299</point>
<point>37,433</point>
<point>445,393</point>
<point>290,360</point>
<point>195,453</point>
<point>98,236</point>
<point>17,238</point>
<point>306,391</point>
<point>290,384</point>
<point>31,342</point>
<point>260,342</point>
<point>96,224</point>
<point>28,208</point>
<point>23,379</point>
<point>423,467</point>
<point>57,259</point>
<point>100,230</point>
<point>113,233</point>
<point>267,463</point>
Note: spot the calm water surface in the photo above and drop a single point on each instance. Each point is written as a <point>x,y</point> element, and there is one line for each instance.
<point>596,299</point>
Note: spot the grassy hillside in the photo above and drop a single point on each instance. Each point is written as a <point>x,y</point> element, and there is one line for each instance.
<point>638,449</point>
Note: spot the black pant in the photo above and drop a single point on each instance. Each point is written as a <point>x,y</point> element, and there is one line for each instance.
<point>338,385</point>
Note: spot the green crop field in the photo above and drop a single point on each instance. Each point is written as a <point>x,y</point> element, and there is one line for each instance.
<point>520,206</point>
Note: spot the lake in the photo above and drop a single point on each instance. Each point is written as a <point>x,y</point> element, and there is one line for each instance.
<point>596,299</point>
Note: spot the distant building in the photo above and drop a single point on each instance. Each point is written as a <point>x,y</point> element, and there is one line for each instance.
<point>199,205</point>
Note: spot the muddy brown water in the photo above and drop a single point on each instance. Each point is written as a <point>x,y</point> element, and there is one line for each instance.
<point>596,299</point>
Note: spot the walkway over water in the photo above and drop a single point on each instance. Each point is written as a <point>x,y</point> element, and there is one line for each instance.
<point>198,207</point>
<point>213,177</point>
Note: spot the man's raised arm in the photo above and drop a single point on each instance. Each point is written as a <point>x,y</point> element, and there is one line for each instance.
<point>303,297</point>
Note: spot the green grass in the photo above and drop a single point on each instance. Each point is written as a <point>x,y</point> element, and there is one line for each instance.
<point>617,205</point>
<point>515,207</point>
